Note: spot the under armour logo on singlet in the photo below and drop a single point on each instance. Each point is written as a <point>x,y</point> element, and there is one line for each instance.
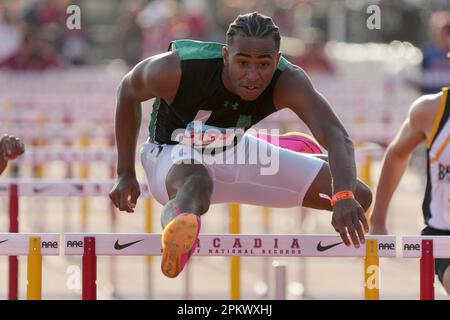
<point>234,106</point>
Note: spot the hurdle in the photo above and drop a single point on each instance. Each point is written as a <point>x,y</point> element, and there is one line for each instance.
<point>62,187</point>
<point>34,246</point>
<point>426,248</point>
<point>38,156</point>
<point>15,188</point>
<point>233,245</point>
<point>63,133</point>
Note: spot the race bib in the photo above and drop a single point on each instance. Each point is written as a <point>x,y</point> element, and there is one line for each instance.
<point>202,136</point>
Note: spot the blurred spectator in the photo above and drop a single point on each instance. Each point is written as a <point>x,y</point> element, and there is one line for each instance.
<point>44,12</point>
<point>10,33</point>
<point>74,46</point>
<point>129,33</point>
<point>42,41</point>
<point>314,59</point>
<point>284,15</point>
<point>435,53</point>
<point>196,19</point>
<point>37,52</point>
<point>162,21</point>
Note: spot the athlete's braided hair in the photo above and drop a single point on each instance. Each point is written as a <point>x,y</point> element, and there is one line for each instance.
<point>253,25</point>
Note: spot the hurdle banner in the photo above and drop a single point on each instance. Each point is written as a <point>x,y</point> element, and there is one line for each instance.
<point>90,245</point>
<point>427,248</point>
<point>248,245</point>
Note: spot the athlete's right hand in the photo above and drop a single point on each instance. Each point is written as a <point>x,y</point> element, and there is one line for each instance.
<point>349,221</point>
<point>125,192</point>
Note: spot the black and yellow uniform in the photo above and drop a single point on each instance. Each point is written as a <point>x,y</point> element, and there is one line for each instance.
<point>436,203</point>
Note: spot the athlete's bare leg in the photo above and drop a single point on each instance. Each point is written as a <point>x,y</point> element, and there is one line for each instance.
<point>189,187</point>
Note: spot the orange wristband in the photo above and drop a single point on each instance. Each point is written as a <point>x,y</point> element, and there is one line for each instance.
<point>341,195</point>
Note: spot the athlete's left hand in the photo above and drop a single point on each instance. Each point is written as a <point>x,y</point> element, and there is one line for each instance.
<point>349,220</point>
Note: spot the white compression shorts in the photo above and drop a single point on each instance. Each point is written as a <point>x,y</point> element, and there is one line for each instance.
<point>267,176</point>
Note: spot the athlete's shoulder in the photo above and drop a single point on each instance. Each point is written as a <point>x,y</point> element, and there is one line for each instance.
<point>425,109</point>
<point>156,76</point>
<point>163,63</point>
<point>291,72</point>
<point>291,85</point>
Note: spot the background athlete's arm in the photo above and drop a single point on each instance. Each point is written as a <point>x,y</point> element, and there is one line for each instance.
<point>420,120</point>
<point>298,93</point>
<point>3,163</point>
<point>157,76</point>
<point>10,148</point>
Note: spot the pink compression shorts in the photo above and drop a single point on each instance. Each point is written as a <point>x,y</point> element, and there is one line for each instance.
<point>294,141</point>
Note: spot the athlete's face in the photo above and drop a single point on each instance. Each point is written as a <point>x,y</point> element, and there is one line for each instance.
<point>249,65</point>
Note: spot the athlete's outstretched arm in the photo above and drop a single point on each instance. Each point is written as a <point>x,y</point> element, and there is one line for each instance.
<point>157,76</point>
<point>295,91</point>
<point>413,131</point>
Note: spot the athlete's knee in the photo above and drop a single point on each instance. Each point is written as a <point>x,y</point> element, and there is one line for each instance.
<point>198,184</point>
<point>179,176</point>
<point>363,195</point>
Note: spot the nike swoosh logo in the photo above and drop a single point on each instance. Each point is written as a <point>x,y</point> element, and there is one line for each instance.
<point>4,241</point>
<point>79,187</point>
<point>325,248</point>
<point>118,246</point>
<point>42,189</point>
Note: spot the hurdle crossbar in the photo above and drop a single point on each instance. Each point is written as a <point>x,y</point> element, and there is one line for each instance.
<point>44,154</point>
<point>412,246</point>
<point>125,244</point>
<point>62,187</point>
<point>243,245</point>
<point>17,244</point>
